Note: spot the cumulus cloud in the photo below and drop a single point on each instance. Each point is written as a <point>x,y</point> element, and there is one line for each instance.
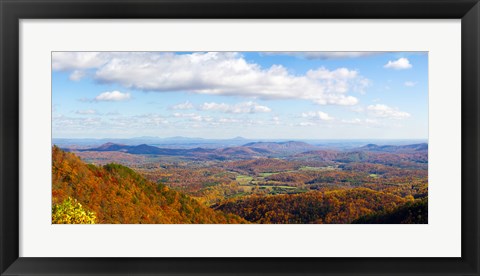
<point>217,73</point>
<point>86,112</point>
<point>183,106</point>
<point>410,83</point>
<point>112,96</point>
<point>399,64</point>
<point>317,115</point>
<point>76,75</point>
<point>245,107</point>
<point>78,60</point>
<point>325,55</point>
<point>384,111</point>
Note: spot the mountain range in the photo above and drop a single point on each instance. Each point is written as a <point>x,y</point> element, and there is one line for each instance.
<point>248,150</point>
<point>193,142</point>
<point>292,149</point>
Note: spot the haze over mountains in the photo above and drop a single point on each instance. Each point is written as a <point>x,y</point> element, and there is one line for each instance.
<point>193,142</point>
<point>397,149</point>
<point>290,149</point>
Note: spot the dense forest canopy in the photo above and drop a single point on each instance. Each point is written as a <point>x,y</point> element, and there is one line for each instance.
<point>254,183</point>
<point>117,194</point>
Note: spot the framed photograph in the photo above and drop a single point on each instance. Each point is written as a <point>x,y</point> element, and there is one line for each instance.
<point>239,138</point>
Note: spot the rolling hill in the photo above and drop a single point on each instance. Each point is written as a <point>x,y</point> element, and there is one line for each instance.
<point>292,150</point>
<point>141,149</point>
<point>395,149</point>
<point>412,213</point>
<point>117,194</point>
<point>337,207</point>
<point>249,150</point>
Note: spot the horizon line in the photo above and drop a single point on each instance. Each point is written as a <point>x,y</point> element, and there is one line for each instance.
<point>237,137</point>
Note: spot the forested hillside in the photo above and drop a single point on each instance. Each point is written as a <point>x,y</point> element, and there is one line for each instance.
<point>327,186</point>
<point>411,212</point>
<point>116,194</point>
<point>338,206</point>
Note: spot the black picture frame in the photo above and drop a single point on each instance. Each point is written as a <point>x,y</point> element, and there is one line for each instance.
<point>11,11</point>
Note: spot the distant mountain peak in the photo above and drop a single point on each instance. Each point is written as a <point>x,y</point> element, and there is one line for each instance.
<point>110,145</point>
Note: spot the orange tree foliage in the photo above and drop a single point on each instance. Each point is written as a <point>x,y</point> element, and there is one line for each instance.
<point>338,206</point>
<point>255,166</point>
<point>413,212</point>
<point>117,194</point>
<point>190,180</point>
<point>207,185</point>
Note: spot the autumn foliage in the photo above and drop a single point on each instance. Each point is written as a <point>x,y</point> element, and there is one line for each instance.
<point>324,186</point>
<point>117,194</point>
<point>71,212</point>
<point>338,206</point>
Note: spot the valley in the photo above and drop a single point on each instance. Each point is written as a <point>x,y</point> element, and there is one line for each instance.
<point>274,181</point>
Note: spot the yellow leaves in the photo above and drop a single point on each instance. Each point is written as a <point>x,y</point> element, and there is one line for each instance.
<point>71,212</point>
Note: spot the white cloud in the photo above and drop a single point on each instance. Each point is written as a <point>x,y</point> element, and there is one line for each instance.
<point>183,106</point>
<point>306,124</point>
<point>184,115</point>
<point>86,112</point>
<point>399,64</point>
<point>64,122</point>
<point>112,96</point>
<point>276,120</point>
<point>78,60</point>
<point>325,55</point>
<point>216,73</point>
<point>384,111</point>
<point>193,117</point>
<point>197,118</point>
<point>352,121</point>
<point>317,115</point>
<point>410,83</point>
<point>145,120</point>
<point>76,75</point>
<point>228,120</point>
<point>108,125</point>
<point>364,122</point>
<point>239,108</point>
<point>245,107</point>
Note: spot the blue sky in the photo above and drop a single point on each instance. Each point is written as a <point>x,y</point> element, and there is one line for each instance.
<point>258,95</point>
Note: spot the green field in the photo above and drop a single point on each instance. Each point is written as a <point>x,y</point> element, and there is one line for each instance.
<point>243,179</point>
